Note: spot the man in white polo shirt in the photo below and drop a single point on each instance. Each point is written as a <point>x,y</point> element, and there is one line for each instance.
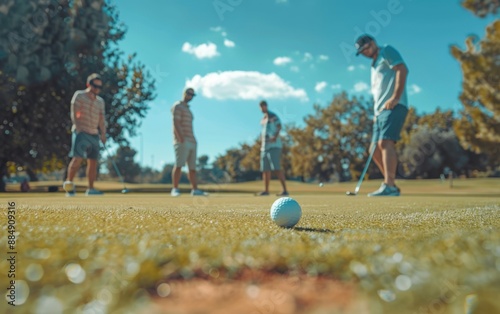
<point>184,144</point>
<point>271,149</point>
<point>388,86</point>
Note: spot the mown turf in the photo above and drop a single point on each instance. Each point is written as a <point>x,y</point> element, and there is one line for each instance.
<point>430,251</point>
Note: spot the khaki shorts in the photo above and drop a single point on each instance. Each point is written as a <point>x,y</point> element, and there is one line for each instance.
<point>270,159</point>
<point>185,153</point>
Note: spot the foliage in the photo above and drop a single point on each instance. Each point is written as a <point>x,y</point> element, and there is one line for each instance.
<point>124,160</point>
<point>47,49</point>
<point>232,163</point>
<point>333,136</point>
<point>478,127</point>
<point>482,8</point>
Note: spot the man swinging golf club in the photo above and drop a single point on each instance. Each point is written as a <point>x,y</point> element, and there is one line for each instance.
<point>388,86</point>
<point>87,115</point>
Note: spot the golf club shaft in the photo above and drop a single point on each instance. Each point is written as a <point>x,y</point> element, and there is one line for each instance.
<point>115,166</point>
<point>361,178</point>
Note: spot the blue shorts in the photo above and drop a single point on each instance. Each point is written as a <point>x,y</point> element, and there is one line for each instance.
<point>270,159</point>
<point>84,145</point>
<point>389,123</point>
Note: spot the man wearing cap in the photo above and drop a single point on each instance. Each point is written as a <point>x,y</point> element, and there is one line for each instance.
<point>388,86</point>
<point>184,144</point>
<point>270,151</point>
<point>87,115</point>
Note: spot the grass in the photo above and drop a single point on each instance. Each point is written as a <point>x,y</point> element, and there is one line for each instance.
<point>430,251</point>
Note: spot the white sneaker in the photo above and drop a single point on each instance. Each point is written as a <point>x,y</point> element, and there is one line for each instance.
<point>69,187</point>
<point>198,193</point>
<point>175,192</point>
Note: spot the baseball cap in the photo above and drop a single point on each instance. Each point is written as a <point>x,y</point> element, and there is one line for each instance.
<point>361,41</point>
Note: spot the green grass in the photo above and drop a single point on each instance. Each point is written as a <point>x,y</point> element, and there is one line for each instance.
<point>432,249</point>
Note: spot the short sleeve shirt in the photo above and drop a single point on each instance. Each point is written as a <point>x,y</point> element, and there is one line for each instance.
<point>383,78</point>
<point>184,117</point>
<point>270,125</point>
<point>86,113</point>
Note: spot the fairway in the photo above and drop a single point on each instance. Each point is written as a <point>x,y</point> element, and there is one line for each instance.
<point>433,250</point>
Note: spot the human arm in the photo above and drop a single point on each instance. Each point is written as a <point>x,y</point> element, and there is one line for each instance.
<point>102,126</point>
<point>75,112</point>
<point>399,86</point>
<point>275,137</point>
<point>177,118</point>
<point>397,64</point>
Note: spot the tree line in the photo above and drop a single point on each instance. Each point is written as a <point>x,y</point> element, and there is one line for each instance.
<point>48,47</point>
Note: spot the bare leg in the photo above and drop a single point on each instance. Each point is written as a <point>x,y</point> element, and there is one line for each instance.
<point>377,156</point>
<point>73,167</point>
<point>266,177</point>
<point>176,176</point>
<point>390,161</point>
<point>91,172</point>
<point>192,179</point>
<point>281,177</point>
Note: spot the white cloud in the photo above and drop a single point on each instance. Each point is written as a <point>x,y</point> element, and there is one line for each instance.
<point>320,86</point>
<point>354,67</point>
<point>336,86</point>
<point>414,89</point>
<point>282,61</point>
<point>244,85</point>
<point>202,51</point>
<point>361,87</point>
<point>323,58</point>
<point>294,68</point>
<point>229,43</point>
<point>307,57</point>
<point>216,29</point>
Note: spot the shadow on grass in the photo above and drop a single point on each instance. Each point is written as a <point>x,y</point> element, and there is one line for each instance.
<point>313,230</point>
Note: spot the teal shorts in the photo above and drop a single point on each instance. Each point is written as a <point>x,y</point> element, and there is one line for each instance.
<point>389,123</point>
<point>84,145</point>
<point>270,159</point>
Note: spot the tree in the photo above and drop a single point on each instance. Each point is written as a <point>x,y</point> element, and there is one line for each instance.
<point>332,135</point>
<point>203,161</point>
<point>124,160</point>
<point>479,125</point>
<point>430,151</point>
<point>482,8</point>
<point>47,49</point>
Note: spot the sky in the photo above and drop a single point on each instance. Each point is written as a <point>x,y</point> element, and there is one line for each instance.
<point>291,53</point>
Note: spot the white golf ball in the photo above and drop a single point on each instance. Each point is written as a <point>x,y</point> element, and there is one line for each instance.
<point>286,212</point>
<point>321,184</point>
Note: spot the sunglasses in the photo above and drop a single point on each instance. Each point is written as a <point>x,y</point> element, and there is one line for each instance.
<point>95,85</point>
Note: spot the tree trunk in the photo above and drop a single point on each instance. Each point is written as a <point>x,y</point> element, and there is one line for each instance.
<point>32,175</point>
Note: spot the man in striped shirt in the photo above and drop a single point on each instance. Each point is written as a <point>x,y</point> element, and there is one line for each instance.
<point>87,115</point>
<point>184,144</point>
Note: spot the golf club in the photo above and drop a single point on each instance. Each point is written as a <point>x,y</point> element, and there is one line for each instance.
<point>125,190</point>
<point>356,190</point>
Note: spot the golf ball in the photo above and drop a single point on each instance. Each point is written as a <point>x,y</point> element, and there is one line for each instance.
<point>286,212</point>
<point>321,184</point>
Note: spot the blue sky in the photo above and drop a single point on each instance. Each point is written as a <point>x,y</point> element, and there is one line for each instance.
<point>292,53</point>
